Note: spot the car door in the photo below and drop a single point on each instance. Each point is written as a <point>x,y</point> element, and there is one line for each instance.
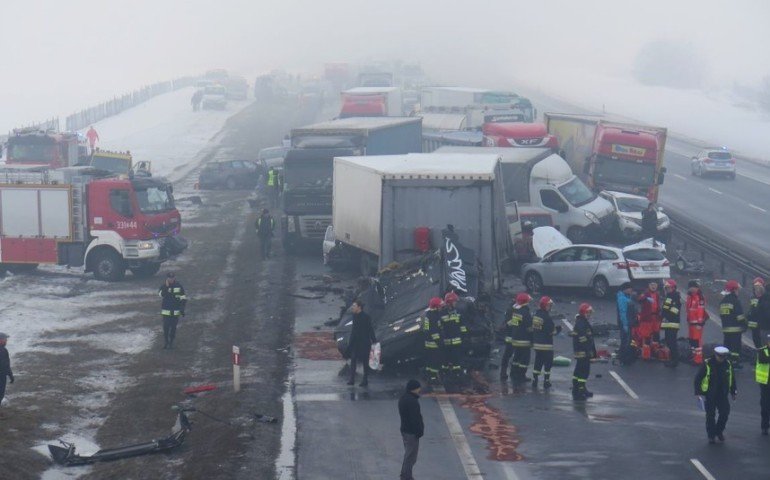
<point>557,266</point>
<point>582,269</point>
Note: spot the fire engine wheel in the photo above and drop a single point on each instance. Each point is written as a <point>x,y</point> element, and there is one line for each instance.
<point>146,270</point>
<point>108,266</point>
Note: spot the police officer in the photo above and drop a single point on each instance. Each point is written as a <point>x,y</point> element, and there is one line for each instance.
<point>518,339</point>
<point>672,306</point>
<point>713,382</point>
<point>759,307</point>
<point>272,187</point>
<point>5,367</point>
<point>453,333</point>
<point>431,329</point>
<point>173,302</point>
<point>762,376</point>
<point>733,321</point>
<point>584,350</point>
<point>543,331</point>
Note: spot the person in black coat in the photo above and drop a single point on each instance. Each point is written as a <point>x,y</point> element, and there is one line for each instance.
<point>650,222</point>
<point>412,427</point>
<point>360,343</point>
<point>5,366</point>
<point>715,381</point>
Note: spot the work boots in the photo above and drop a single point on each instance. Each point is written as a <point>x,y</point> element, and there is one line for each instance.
<point>578,391</point>
<point>547,382</point>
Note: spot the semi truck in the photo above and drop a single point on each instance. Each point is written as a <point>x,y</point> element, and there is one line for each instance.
<point>538,177</point>
<point>308,167</point>
<point>610,155</point>
<point>32,147</point>
<point>371,102</point>
<point>71,216</point>
<point>391,208</point>
<point>476,103</point>
<point>516,134</point>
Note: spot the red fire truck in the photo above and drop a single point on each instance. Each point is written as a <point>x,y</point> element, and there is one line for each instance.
<point>71,216</point>
<point>516,134</point>
<point>34,147</point>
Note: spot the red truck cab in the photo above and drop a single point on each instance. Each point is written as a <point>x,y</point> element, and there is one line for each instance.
<point>41,148</point>
<point>626,161</point>
<point>372,105</point>
<point>515,134</point>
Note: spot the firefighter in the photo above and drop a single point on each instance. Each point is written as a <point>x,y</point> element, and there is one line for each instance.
<point>453,333</point>
<point>173,302</point>
<point>713,382</point>
<point>672,307</point>
<point>431,329</point>
<point>762,376</point>
<point>758,310</point>
<point>585,349</point>
<point>543,331</point>
<point>733,321</point>
<point>696,315</point>
<point>518,339</point>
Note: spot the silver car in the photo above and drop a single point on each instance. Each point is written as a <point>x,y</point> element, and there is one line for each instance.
<point>597,267</point>
<point>717,161</point>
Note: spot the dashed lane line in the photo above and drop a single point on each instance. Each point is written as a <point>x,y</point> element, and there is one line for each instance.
<point>682,177</point>
<point>758,208</point>
<point>472,471</point>
<point>706,474</point>
<point>567,324</point>
<point>715,191</point>
<point>623,384</point>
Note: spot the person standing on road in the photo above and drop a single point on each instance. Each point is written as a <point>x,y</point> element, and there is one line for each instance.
<point>453,333</point>
<point>518,339</point>
<point>696,318</point>
<point>713,383</point>
<point>431,328</point>
<point>543,331</point>
<point>762,376</point>
<point>733,321</point>
<point>649,315</point>
<point>672,307</point>
<point>625,312</point>
<point>584,350</point>
<point>650,223</point>
<point>273,185</point>
<point>265,226</point>
<point>196,100</point>
<point>5,368</point>
<point>92,137</point>
<point>360,344</point>
<point>412,427</point>
<point>759,310</point>
<point>173,303</point>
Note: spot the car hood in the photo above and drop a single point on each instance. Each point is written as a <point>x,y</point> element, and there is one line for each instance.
<point>599,206</point>
<point>548,239</point>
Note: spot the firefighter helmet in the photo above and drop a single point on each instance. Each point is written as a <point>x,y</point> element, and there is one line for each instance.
<point>759,281</point>
<point>732,286</point>
<point>545,300</point>
<point>585,309</point>
<point>435,303</point>
<point>523,298</point>
<point>451,298</point>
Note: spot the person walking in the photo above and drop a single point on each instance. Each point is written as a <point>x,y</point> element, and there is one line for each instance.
<point>759,309</point>
<point>650,223</point>
<point>584,350</point>
<point>671,309</point>
<point>265,226</point>
<point>273,185</point>
<point>625,311</point>
<point>453,333</point>
<point>196,100</point>
<point>433,359</point>
<point>92,136</point>
<point>696,318</point>
<point>5,369</point>
<point>360,343</point>
<point>412,427</point>
<point>518,339</point>
<point>762,377</point>
<point>714,381</point>
<point>173,303</point>
<point>733,321</point>
<point>543,331</point>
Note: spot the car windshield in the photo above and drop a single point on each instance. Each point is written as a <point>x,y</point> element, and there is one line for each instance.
<point>720,155</point>
<point>111,164</point>
<point>632,204</point>
<point>576,192</point>
<point>644,255</point>
<point>154,199</point>
<point>31,153</point>
<point>313,174</point>
<point>610,170</point>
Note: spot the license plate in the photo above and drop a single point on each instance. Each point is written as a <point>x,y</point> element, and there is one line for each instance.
<point>649,269</point>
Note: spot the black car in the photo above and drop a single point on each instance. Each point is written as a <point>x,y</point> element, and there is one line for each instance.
<point>229,174</point>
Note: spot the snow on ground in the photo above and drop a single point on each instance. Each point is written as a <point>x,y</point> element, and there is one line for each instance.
<point>714,117</point>
<point>164,130</point>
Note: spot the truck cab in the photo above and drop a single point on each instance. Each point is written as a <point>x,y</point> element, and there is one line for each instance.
<point>41,148</point>
<point>371,102</point>
<point>117,163</point>
<point>626,161</point>
<point>214,97</point>
<point>516,134</point>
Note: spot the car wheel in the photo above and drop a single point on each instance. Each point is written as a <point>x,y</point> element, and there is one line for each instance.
<point>577,234</point>
<point>230,183</point>
<point>600,287</point>
<point>534,282</point>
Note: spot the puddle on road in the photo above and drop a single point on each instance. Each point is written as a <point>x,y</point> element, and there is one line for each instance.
<point>489,423</point>
<point>316,346</point>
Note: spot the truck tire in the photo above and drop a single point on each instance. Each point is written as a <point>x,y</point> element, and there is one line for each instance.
<point>577,234</point>
<point>108,265</point>
<point>146,270</point>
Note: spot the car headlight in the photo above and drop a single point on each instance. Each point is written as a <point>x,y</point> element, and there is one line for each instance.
<point>145,245</point>
<point>592,217</point>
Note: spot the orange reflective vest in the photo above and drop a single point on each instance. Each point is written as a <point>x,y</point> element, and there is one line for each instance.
<point>696,309</point>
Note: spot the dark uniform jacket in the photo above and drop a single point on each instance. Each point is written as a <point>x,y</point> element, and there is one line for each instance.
<point>173,299</point>
<point>431,328</point>
<point>731,314</point>
<point>759,312</point>
<point>543,330</point>
<point>411,417</point>
<point>265,226</point>
<point>518,327</point>
<point>583,338</point>
<point>5,364</point>
<point>718,378</point>
<point>361,337</point>
<point>672,309</point>
<point>453,330</point>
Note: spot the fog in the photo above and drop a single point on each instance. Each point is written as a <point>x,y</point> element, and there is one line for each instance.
<point>62,56</point>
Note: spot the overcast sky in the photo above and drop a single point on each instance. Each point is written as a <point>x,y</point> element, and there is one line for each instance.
<point>63,55</point>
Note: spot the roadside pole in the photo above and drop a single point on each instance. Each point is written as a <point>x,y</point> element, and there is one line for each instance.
<point>236,369</point>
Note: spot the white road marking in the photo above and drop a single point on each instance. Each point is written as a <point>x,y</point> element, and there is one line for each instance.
<point>706,474</point>
<point>472,471</point>
<point>758,208</point>
<point>623,384</point>
<point>318,397</point>
<point>567,324</point>
<point>679,176</point>
<point>508,471</point>
<point>715,191</point>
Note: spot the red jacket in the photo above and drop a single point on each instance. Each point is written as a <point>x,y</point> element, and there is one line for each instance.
<point>696,309</point>
<point>650,307</point>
